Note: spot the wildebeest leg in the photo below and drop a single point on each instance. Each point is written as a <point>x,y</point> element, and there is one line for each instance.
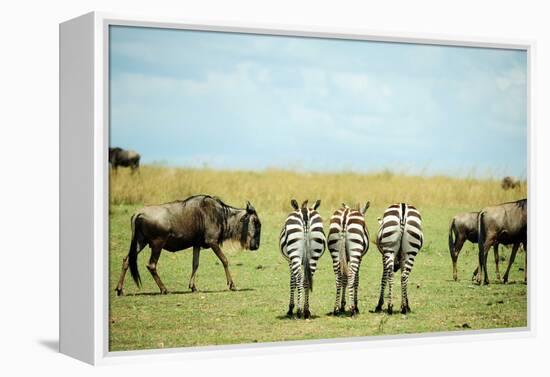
<point>156,248</point>
<point>120,285</point>
<point>510,262</point>
<point>457,248</point>
<point>482,277</point>
<point>221,256</point>
<point>495,249</point>
<point>196,255</point>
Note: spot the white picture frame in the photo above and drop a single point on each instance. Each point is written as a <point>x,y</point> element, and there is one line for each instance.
<point>84,190</point>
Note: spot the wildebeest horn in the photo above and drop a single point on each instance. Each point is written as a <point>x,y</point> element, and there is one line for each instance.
<point>317,204</point>
<point>367,205</point>
<point>304,204</point>
<point>249,207</point>
<point>294,204</point>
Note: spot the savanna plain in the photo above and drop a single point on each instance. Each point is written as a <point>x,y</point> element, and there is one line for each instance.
<point>256,311</point>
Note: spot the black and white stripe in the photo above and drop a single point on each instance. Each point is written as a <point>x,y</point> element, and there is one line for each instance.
<point>399,239</point>
<point>348,241</point>
<point>302,242</point>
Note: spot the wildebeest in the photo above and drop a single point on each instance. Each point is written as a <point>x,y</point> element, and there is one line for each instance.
<point>510,183</point>
<point>201,222</point>
<point>120,157</point>
<point>505,224</point>
<point>463,228</point>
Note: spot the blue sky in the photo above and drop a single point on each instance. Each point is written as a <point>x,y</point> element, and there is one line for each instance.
<point>238,101</point>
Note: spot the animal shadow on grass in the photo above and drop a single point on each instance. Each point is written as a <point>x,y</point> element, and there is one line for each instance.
<point>294,317</point>
<point>190,292</point>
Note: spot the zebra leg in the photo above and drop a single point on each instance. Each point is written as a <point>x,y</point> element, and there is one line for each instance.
<point>292,288</point>
<point>338,287</point>
<point>378,308</point>
<point>404,297</point>
<point>355,289</point>
<point>343,293</point>
<point>307,313</point>
<point>352,287</point>
<point>389,265</point>
<point>300,288</point>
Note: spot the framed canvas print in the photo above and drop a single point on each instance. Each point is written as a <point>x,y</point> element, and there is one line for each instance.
<point>230,187</point>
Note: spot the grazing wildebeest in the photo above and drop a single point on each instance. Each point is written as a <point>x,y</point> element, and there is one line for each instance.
<point>510,183</point>
<point>505,224</point>
<point>120,157</point>
<point>463,228</point>
<point>200,221</point>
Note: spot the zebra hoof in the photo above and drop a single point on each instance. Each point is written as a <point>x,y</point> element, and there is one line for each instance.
<point>390,309</point>
<point>505,280</point>
<point>298,313</point>
<point>336,311</point>
<point>307,314</point>
<point>354,312</point>
<point>378,309</point>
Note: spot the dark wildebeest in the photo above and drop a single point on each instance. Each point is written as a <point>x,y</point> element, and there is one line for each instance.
<point>505,224</point>
<point>120,157</point>
<point>200,221</point>
<point>510,183</point>
<point>463,228</point>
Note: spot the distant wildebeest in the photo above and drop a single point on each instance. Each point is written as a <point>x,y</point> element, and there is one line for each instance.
<point>120,157</point>
<point>201,222</point>
<point>504,224</point>
<point>348,242</point>
<point>302,242</point>
<point>463,228</point>
<point>399,239</point>
<point>510,183</point>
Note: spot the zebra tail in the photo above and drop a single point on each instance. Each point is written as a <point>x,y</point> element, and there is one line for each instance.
<point>306,257</point>
<point>308,276</point>
<point>343,256</point>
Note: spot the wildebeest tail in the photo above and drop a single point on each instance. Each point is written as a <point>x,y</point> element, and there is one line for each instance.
<point>481,233</point>
<point>451,240</point>
<point>133,253</point>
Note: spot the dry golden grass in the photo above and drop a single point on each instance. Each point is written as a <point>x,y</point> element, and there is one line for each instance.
<point>272,189</point>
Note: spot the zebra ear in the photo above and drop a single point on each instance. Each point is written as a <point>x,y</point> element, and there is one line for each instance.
<point>304,204</point>
<point>344,205</point>
<point>367,205</point>
<point>317,204</point>
<point>294,204</point>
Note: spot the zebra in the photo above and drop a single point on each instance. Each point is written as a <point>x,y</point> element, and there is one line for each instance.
<point>399,239</point>
<point>348,241</point>
<point>302,242</point>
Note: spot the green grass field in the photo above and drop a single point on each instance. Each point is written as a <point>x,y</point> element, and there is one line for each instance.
<point>143,318</point>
